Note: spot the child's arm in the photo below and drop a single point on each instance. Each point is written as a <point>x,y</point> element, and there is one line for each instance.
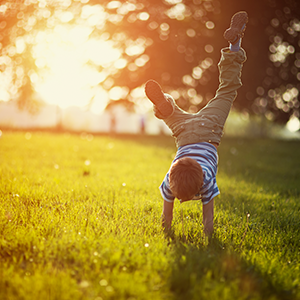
<point>167,215</point>
<point>208,218</point>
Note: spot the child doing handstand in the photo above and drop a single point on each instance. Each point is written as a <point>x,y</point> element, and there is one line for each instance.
<point>192,175</point>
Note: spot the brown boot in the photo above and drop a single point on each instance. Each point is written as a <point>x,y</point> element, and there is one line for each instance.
<point>156,96</point>
<point>237,27</point>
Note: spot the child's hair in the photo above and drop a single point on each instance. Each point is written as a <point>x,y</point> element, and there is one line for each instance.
<point>186,178</point>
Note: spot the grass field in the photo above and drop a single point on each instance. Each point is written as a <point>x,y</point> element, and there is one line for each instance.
<point>80,219</point>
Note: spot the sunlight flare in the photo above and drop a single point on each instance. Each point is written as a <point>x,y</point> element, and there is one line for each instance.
<point>65,77</point>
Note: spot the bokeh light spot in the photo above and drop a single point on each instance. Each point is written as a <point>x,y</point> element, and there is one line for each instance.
<point>210,25</point>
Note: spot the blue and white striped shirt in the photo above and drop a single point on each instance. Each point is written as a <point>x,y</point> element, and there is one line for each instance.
<point>206,155</point>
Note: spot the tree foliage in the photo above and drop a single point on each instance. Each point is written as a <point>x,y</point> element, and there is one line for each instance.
<point>176,42</point>
<point>271,75</point>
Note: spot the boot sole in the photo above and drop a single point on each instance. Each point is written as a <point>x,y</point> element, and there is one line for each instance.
<point>155,94</point>
<point>235,30</point>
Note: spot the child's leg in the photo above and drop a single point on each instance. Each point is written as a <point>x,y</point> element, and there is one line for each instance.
<point>165,107</point>
<point>207,125</point>
<point>230,67</point>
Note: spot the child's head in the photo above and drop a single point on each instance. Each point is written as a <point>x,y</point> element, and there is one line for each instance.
<point>186,178</point>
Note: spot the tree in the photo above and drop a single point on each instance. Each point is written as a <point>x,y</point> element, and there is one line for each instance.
<point>271,74</point>
<point>175,42</point>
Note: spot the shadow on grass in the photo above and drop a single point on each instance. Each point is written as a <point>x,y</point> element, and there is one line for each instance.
<point>272,164</point>
<point>209,271</point>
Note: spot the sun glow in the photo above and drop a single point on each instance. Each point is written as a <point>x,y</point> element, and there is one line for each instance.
<point>293,124</point>
<point>72,66</point>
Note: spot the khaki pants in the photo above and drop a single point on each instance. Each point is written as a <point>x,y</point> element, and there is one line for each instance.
<point>207,125</point>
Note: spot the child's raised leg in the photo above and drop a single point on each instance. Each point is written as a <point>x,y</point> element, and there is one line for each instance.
<point>230,67</point>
